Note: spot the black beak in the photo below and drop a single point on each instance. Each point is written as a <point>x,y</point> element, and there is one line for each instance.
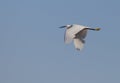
<point>62,27</point>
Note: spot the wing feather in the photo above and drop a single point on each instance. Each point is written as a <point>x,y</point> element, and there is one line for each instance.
<point>79,43</point>
<point>81,34</point>
<point>71,33</point>
<point>67,37</point>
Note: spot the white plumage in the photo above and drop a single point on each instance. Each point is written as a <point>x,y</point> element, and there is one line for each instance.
<point>77,33</point>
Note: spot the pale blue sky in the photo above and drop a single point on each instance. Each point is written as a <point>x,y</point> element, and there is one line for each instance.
<point>32,48</point>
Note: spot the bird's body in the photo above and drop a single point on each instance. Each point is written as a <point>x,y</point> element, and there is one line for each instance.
<point>77,33</point>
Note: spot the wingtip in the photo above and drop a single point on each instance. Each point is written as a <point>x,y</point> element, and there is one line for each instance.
<point>78,49</point>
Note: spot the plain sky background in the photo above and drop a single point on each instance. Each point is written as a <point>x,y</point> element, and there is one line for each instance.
<point>32,48</point>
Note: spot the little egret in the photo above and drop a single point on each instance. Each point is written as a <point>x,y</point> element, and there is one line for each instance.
<point>77,33</point>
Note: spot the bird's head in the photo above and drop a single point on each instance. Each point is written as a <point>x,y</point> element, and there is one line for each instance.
<point>66,26</point>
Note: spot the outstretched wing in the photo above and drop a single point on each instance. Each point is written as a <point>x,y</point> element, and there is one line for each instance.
<point>79,43</point>
<point>79,39</point>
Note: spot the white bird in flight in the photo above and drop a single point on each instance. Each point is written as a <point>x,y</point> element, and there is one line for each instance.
<point>77,33</point>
